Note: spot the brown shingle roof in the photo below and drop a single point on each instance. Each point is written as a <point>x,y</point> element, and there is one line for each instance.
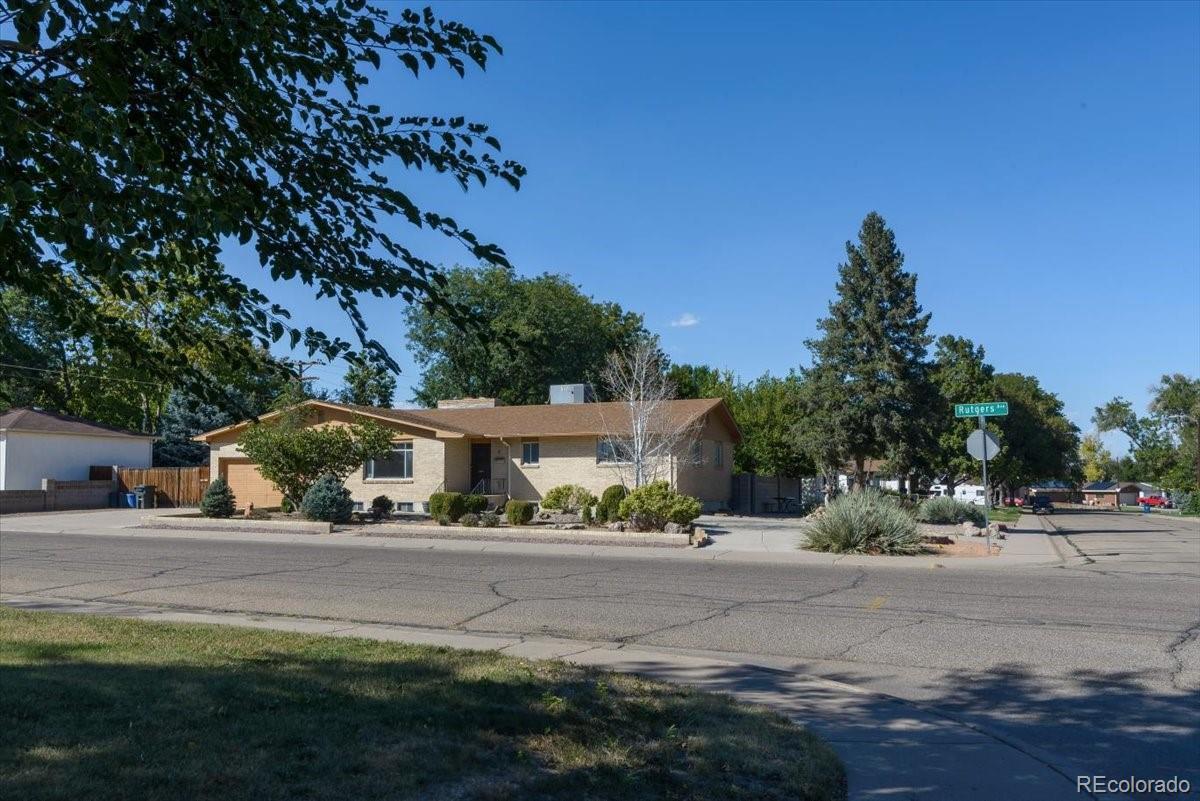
<point>545,420</point>
<point>38,420</point>
<point>557,419</point>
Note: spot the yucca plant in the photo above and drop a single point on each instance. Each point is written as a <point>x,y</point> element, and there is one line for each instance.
<point>864,522</point>
<point>945,509</point>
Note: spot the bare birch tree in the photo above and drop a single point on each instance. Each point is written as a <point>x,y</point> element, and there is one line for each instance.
<point>645,438</point>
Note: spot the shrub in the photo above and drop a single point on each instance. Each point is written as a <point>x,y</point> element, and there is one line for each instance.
<point>381,506</point>
<point>286,506</point>
<point>585,515</point>
<point>1189,503</point>
<point>865,522</point>
<point>568,498</point>
<point>475,503</point>
<point>651,507</point>
<point>945,509</point>
<point>327,500</point>
<point>489,520</point>
<point>470,520</point>
<point>443,520</point>
<point>518,512</point>
<point>450,504</point>
<point>609,508</point>
<point>218,500</point>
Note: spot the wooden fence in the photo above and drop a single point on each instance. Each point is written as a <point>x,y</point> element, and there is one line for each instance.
<point>173,486</point>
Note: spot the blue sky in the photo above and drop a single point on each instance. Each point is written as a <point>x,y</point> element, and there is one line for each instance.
<point>705,163</point>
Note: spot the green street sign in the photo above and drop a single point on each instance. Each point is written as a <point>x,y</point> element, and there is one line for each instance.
<point>993,409</point>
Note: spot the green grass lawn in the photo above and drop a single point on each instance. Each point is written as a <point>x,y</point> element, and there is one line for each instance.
<point>1004,514</point>
<point>103,708</point>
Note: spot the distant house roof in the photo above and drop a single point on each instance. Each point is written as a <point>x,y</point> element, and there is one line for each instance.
<point>1054,484</point>
<point>42,422</point>
<point>1109,486</point>
<point>541,420</point>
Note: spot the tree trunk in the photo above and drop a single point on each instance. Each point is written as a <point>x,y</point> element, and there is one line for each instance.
<point>860,474</point>
<point>903,485</point>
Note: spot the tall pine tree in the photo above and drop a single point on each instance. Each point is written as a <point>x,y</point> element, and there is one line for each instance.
<point>870,357</point>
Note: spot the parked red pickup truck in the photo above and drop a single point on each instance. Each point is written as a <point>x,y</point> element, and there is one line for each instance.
<point>1155,500</point>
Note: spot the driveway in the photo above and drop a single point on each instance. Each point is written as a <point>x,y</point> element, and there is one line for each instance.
<point>1090,666</point>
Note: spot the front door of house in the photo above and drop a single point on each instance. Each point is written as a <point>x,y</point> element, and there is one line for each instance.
<point>481,465</point>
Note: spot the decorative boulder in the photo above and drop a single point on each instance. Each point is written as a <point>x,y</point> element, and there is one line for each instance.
<point>672,528</point>
<point>616,525</point>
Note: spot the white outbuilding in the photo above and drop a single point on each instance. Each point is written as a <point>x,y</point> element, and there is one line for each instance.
<point>36,444</point>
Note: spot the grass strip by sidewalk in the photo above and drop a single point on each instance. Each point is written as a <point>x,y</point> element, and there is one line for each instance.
<point>100,708</point>
<point>1004,514</point>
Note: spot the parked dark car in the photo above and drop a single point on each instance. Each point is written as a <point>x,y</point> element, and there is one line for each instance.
<point>1040,504</point>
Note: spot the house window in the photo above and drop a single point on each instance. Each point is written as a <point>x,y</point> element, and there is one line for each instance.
<point>531,452</point>
<point>719,458</point>
<point>611,452</point>
<point>696,455</point>
<point>399,464</point>
<point>404,506</point>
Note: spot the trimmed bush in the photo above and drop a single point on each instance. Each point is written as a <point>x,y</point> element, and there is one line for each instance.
<point>286,506</point>
<point>475,503</point>
<point>450,504</point>
<point>489,520</point>
<point>651,507</point>
<point>585,515</point>
<point>218,500</point>
<point>518,512</point>
<point>443,520</point>
<point>945,509</point>
<point>865,522</point>
<point>609,508</point>
<point>568,498</point>
<point>327,500</point>
<point>470,520</point>
<point>1189,503</point>
<point>381,506</point>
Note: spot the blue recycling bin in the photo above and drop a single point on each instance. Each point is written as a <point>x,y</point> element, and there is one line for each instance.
<point>129,500</point>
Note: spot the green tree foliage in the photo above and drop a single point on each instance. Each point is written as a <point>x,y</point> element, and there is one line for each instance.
<point>960,375</point>
<point>218,499</point>
<point>819,432</point>
<point>871,351</point>
<point>535,332</point>
<point>293,455</point>
<point>1095,460</point>
<point>701,381</point>
<point>327,499</point>
<point>367,384</point>
<point>1038,442</point>
<point>1165,445</point>
<point>139,137</point>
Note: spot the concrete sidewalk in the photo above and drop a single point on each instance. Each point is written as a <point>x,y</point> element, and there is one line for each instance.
<point>892,748</point>
<point>1025,547</point>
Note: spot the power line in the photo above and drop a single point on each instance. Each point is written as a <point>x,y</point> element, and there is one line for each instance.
<point>88,373</point>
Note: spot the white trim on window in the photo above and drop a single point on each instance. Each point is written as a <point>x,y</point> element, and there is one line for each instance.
<point>397,467</point>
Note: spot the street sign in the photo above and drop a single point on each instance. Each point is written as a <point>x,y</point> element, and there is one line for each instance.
<point>991,409</point>
<point>975,443</point>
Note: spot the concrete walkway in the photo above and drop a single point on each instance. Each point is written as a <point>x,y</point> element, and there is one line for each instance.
<point>736,539</point>
<point>893,749</point>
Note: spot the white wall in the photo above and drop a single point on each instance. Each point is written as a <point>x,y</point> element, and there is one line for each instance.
<point>28,457</point>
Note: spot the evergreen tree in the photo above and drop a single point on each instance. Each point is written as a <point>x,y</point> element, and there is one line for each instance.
<point>218,500</point>
<point>871,352</point>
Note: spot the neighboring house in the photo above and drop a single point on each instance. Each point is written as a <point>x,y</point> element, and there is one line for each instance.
<point>1056,491</point>
<point>477,444</point>
<point>1112,493</point>
<point>36,444</point>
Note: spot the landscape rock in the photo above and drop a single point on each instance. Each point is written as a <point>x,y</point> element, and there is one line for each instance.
<point>969,528</point>
<point>616,525</point>
<point>672,528</point>
<point>567,526</point>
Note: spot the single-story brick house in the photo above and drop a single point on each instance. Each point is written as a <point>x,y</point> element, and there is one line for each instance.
<point>478,444</point>
<point>1115,493</point>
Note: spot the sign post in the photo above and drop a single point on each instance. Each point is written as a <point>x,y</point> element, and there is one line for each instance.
<point>983,446</point>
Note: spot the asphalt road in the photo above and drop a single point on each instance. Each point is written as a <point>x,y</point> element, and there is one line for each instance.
<point>1095,662</point>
